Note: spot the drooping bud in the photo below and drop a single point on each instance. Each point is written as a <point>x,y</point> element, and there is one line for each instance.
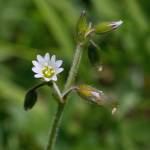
<point>30,99</point>
<point>96,96</point>
<point>105,27</point>
<point>94,56</point>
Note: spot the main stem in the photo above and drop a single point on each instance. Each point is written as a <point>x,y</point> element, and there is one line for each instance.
<point>55,127</point>
<point>74,68</point>
<point>57,119</point>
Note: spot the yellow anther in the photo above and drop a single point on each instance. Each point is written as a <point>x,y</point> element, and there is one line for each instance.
<point>48,72</point>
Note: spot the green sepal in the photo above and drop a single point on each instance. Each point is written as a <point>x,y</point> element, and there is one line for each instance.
<point>82,26</point>
<point>103,27</point>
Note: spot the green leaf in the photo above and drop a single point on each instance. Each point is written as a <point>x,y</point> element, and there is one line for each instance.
<point>30,99</point>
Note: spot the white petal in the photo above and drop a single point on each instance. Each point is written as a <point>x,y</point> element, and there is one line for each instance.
<point>58,63</point>
<point>47,79</point>
<point>59,70</point>
<point>47,57</point>
<point>54,78</point>
<point>36,70</point>
<point>53,59</point>
<point>37,64</point>
<point>40,58</point>
<point>118,23</point>
<point>38,76</point>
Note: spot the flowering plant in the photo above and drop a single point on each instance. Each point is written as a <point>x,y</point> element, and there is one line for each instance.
<point>47,68</point>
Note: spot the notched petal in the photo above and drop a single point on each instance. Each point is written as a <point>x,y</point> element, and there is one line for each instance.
<point>59,63</point>
<point>47,79</point>
<point>59,70</point>
<point>47,57</point>
<point>38,76</point>
<point>53,58</point>
<point>54,78</point>
<point>40,58</point>
<point>35,69</point>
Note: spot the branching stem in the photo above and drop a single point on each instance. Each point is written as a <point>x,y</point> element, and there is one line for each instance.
<point>70,80</point>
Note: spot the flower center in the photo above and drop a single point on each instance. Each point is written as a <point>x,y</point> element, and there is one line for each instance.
<point>48,72</point>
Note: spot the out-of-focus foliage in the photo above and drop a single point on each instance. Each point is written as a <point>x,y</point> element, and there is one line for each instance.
<point>30,27</point>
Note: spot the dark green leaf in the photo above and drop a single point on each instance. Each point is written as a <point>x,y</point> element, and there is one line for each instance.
<point>30,99</point>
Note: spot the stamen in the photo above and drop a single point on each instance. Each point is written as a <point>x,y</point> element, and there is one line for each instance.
<point>48,72</point>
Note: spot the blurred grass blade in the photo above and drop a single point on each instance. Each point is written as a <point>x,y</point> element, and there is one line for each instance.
<point>107,8</point>
<point>134,10</point>
<point>56,26</point>
<point>68,7</point>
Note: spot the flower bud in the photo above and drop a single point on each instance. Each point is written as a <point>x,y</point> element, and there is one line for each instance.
<point>105,27</point>
<point>94,56</point>
<point>96,96</point>
<point>91,94</point>
<point>30,99</point>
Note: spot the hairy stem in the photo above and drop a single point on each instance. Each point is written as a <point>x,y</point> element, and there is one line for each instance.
<point>61,106</point>
<point>74,67</point>
<point>55,127</point>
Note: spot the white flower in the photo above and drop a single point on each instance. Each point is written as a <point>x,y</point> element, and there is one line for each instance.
<point>47,68</point>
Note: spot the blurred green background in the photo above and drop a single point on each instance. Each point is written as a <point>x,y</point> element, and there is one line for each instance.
<point>31,27</point>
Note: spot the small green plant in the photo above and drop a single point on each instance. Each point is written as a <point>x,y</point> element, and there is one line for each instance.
<point>47,68</point>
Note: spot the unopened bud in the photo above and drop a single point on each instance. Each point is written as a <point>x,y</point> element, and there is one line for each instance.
<point>105,27</point>
<point>96,96</point>
<point>91,94</point>
<point>94,56</point>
